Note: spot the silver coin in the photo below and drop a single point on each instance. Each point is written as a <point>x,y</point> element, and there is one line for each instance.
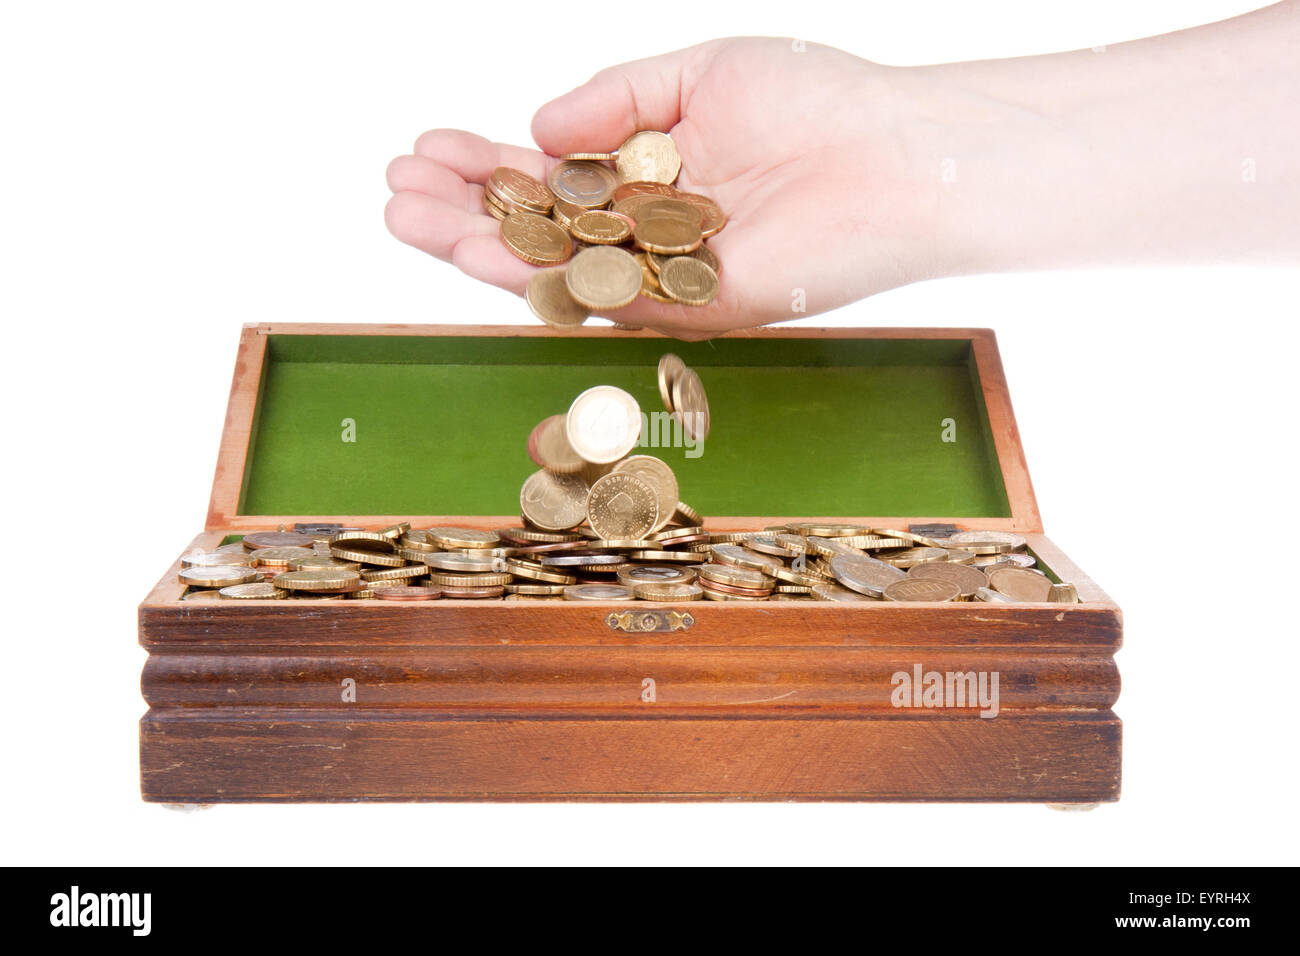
<point>598,592</point>
<point>865,575</point>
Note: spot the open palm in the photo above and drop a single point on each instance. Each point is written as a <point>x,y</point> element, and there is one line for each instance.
<point>798,145</point>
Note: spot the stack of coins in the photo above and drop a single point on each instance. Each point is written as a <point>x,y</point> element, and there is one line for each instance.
<point>626,228</point>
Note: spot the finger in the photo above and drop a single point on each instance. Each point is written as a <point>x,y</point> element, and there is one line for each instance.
<point>433,225</point>
<point>486,258</point>
<point>473,158</point>
<point>422,175</point>
<point>615,103</point>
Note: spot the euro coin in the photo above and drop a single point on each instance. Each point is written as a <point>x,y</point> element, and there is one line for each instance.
<point>603,277</point>
<point>667,236</point>
<point>923,589</point>
<point>603,424</point>
<point>536,239</point>
<point>553,502</point>
<point>691,405</point>
<point>218,576</point>
<point>256,591</point>
<point>968,579</point>
<point>864,574</point>
<point>547,294</point>
<point>1022,584</point>
<point>516,186</point>
<point>598,592</point>
<point>689,281</point>
<point>668,592</point>
<point>622,506</point>
<point>656,473</point>
<point>583,183</point>
<point>648,156</point>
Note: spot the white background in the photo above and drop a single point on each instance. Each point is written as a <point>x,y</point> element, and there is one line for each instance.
<point>173,170</point>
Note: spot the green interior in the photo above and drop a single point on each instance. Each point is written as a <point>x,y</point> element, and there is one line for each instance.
<point>809,427</point>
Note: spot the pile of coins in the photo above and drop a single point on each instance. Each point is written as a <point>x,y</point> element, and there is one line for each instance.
<point>804,561</point>
<point>588,474</point>
<point>624,230</point>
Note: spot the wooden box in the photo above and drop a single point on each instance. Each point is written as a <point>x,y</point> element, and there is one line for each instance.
<point>497,700</point>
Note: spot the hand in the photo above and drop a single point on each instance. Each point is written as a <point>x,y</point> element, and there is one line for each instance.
<point>797,147</point>
<point>842,178</point>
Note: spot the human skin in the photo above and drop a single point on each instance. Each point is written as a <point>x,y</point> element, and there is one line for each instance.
<point>842,178</point>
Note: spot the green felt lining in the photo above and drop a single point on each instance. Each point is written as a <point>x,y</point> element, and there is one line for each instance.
<point>800,426</point>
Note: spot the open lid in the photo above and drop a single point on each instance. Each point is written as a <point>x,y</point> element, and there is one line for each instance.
<point>359,423</point>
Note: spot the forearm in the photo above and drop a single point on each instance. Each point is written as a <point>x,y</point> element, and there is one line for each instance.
<point>1183,147</point>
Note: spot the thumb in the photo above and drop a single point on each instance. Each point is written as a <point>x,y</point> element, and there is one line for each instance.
<point>615,103</point>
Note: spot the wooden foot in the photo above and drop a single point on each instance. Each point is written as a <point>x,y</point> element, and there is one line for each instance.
<point>1072,807</point>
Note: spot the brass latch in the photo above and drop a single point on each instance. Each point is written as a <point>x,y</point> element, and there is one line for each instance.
<point>643,622</point>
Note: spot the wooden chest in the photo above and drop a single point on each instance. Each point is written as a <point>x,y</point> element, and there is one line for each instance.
<point>494,700</point>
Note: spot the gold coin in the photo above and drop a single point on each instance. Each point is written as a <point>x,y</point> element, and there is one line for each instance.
<point>538,536</point>
<point>364,541</point>
<point>204,595</point>
<point>592,157</point>
<point>689,281</point>
<point>537,572</point>
<point>493,207</point>
<point>712,217</point>
<point>279,557</point>
<point>603,277</point>
<point>256,591</point>
<point>736,577</point>
<point>925,589</point>
<point>687,515</point>
<point>650,287</point>
<point>342,552</point>
<point>548,296</point>
<point>667,236</point>
<point>643,188</point>
<point>219,576</point>
<point>322,561</point>
<point>833,592</point>
<point>548,445</point>
<point>691,406</point>
<point>910,557</point>
<point>682,556</point>
<point>604,423</point>
<point>472,538</point>
<point>583,183</point>
<point>518,187</point>
<point>970,580</point>
<point>824,529</point>
<point>703,253</point>
<point>602,227</point>
<point>453,580</point>
<point>622,506</point>
<point>1063,593</point>
<point>659,476</point>
<point>319,579</point>
<point>396,574</point>
<point>536,590</point>
<point>535,239</point>
<point>1021,584</point>
<point>565,212</point>
<point>553,502</point>
<point>670,366</point>
<point>648,156</point>
<point>660,207</point>
<point>666,592</point>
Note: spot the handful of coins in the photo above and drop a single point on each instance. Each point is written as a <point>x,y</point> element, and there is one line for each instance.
<point>625,230</point>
